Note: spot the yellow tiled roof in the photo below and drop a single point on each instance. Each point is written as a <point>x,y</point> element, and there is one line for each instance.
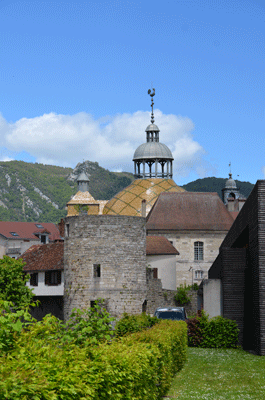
<point>129,200</point>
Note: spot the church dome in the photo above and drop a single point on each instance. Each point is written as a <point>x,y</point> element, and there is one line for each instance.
<point>152,128</point>
<point>152,150</point>
<point>129,200</point>
<point>230,183</point>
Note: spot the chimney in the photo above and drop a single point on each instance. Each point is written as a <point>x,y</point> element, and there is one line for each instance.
<point>144,208</point>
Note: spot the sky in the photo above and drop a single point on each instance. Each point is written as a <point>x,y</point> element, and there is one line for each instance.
<point>74,77</point>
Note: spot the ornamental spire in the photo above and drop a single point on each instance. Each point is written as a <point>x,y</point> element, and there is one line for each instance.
<point>152,104</point>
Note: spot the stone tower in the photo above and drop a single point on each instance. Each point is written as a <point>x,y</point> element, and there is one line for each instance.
<point>105,257</point>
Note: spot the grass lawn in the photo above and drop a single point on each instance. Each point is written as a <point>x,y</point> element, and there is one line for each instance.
<point>217,374</point>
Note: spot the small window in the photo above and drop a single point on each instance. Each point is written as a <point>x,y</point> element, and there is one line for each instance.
<point>53,278</point>
<point>39,226</point>
<point>198,251</point>
<point>92,303</point>
<point>199,274</point>
<point>67,230</point>
<point>43,239</point>
<point>96,269</point>
<point>14,234</point>
<point>34,279</point>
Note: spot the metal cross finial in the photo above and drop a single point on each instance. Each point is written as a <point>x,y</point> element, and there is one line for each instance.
<point>152,104</point>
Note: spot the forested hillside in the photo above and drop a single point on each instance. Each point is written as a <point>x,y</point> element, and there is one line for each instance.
<point>216,185</point>
<point>37,192</point>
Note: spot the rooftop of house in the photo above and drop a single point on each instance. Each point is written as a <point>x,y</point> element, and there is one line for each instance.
<point>29,230</point>
<point>159,245</point>
<point>189,211</point>
<point>44,257</point>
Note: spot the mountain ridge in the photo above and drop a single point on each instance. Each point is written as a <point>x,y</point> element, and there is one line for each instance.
<point>39,193</point>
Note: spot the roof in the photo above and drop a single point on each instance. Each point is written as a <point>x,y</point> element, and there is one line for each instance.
<point>44,257</point>
<point>152,150</point>
<point>82,198</point>
<point>189,211</point>
<point>234,214</point>
<point>129,200</point>
<point>159,245</point>
<point>28,230</point>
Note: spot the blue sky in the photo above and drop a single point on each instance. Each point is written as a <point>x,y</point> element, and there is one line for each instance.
<point>74,77</point>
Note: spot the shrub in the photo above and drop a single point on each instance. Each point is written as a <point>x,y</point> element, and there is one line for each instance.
<point>138,366</point>
<point>89,326</point>
<point>181,295</point>
<point>13,282</point>
<point>220,333</point>
<point>134,323</point>
<point>11,324</point>
<point>217,332</point>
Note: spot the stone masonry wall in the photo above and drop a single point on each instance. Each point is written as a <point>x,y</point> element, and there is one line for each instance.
<point>118,245</point>
<point>158,297</point>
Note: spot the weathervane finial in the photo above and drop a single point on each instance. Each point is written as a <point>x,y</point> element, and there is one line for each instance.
<point>152,104</point>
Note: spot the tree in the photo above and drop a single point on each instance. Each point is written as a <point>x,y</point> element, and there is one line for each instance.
<point>13,282</point>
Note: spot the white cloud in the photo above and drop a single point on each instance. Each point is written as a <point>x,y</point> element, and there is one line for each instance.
<point>6,158</point>
<point>111,141</point>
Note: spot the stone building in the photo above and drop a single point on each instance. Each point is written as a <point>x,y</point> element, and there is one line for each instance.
<point>105,257</point>
<point>196,224</point>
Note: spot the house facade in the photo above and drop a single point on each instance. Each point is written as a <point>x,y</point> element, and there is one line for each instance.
<point>44,264</point>
<point>195,224</point>
<point>17,237</point>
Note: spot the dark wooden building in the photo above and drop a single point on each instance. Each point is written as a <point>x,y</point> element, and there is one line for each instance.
<point>241,267</point>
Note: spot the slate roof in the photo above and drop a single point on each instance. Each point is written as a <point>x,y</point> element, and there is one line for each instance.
<point>28,230</point>
<point>159,245</point>
<point>189,211</point>
<point>44,257</point>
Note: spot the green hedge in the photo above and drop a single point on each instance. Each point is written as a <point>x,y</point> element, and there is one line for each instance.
<point>134,323</point>
<point>217,332</point>
<point>138,366</point>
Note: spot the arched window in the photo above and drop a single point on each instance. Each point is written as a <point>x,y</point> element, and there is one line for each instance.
<point>198,251</point>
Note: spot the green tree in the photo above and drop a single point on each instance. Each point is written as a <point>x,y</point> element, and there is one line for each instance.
<point>13,282</point>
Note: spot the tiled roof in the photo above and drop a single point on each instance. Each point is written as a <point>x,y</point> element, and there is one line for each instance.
<point>159,245</point>
<point>189,211</point>
<point>28,230</point>
<point>129,200</point>
<point>82,198</point>
<point>44,257</point>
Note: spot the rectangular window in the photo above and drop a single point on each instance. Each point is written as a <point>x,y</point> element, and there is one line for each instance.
<point>53,278</point>
<point>198,274</point>
<point>34,279</point>
<point>96,270</point>
<point>198,251</point>
<point>67,230</point>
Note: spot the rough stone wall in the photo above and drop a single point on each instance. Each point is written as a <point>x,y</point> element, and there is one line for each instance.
<point>184,241</point>
<point>118,245</point>
<point>158,297</point>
